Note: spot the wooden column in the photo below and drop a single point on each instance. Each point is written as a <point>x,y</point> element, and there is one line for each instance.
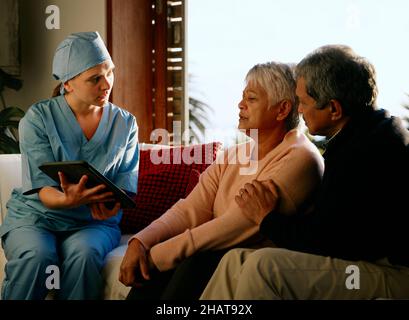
<point>160,74</point>
<point>130,43</point>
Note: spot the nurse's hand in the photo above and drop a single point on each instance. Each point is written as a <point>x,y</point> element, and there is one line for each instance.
<point>136,263</point>
<point>100,212</point>
<point>76,195</point>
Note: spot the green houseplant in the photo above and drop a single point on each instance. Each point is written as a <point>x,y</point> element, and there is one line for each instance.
<point>9,116</point>
<point>198,112</point>
<point>198,116</point>
<point>9,119</point>
<point>406,118</point>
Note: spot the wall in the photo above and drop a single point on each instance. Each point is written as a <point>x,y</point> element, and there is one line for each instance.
<point>38,43</point>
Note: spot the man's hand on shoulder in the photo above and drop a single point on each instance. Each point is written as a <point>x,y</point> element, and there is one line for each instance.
<point>257,199</point>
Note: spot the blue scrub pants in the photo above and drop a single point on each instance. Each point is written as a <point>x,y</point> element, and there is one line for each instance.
<point>78,254</point>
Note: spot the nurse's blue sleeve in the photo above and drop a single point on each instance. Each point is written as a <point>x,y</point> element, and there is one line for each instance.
<point>127,176</point>
<point>35,150</point>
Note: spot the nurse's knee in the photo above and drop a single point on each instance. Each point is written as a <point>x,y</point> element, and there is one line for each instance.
<point>85,256</point>
<point>36,257</point>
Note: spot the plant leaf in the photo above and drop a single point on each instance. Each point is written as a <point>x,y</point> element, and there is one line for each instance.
<point>9,123</point>
<point>8,145</point>
<point>11,112</point>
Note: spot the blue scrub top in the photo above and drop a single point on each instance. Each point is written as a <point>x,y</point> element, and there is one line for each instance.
<point>50,132</point>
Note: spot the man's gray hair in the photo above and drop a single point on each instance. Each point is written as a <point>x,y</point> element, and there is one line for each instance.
<point>337,72</point>
<point>279,82</point>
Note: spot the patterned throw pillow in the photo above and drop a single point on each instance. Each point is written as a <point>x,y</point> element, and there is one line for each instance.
<point>165,176</point>
<point>193,181</point>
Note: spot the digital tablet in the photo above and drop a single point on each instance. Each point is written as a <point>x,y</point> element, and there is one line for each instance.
<point>74,170</point>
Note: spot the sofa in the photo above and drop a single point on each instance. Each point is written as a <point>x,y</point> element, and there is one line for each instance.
<point>159,186</point>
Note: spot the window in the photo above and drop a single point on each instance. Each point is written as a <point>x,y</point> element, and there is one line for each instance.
<point>226,38</point>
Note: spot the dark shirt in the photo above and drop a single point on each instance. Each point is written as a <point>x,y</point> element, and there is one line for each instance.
<point>361,211</point>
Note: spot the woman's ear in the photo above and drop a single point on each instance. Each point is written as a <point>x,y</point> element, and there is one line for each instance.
<point>67,86</point>
<point>284,109</point>
<point>335,109</point>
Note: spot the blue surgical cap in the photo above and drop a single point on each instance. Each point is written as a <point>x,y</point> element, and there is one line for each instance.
<point>77,53</point>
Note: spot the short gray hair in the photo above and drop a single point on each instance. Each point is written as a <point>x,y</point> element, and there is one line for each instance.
<point>278,81</point>
<point>337,72</point>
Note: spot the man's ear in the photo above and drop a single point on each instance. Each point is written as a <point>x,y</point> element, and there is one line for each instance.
<point>284,109</point>
<point>335,110</point>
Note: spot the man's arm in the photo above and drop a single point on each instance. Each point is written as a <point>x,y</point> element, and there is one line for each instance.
<point>298,232</point>
<point>259,202</point>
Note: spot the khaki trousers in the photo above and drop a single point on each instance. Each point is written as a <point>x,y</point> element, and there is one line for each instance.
<point>275,273</point>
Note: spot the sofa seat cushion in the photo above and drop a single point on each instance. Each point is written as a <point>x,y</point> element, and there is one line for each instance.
<point>114,289</point>
<point>2,264</point>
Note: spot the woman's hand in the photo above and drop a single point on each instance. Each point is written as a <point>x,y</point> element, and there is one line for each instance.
<point>77,194</point>
<point>100,212</point>
<point>136,261</point>
<point>73,195</point>
<point>257,199</point>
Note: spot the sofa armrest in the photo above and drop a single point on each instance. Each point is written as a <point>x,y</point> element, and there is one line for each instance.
<point>10,173</point>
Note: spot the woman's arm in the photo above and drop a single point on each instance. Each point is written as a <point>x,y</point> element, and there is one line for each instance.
<point>224,231</point>
<point>187,213</point>
<point>35,150</point>
<point>126,177</point>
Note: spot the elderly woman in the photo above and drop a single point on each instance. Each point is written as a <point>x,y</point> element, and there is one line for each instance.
<point>210,220</point>
<point>69,226</point>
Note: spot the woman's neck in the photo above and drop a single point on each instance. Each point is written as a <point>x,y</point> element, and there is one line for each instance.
<point>88,116</point>
<point>269,139</point>
<point>79,108</point>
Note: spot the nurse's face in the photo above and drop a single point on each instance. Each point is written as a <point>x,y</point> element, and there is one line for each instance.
<point>93,86</point>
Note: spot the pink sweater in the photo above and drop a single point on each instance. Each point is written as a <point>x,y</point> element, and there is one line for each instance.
<point>210,219</point>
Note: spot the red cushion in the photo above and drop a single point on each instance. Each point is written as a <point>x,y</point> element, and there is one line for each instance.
<point>193,181</point>
<point>164,178</point>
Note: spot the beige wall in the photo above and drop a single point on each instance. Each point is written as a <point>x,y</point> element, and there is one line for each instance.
<point>38,43</point>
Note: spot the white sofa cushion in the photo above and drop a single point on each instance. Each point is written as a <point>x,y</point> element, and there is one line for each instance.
<point>10,177</point>
<point>114,289</point>
<point>2,265</point>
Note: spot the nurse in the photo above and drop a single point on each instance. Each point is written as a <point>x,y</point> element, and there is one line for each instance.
<point>69,226</point>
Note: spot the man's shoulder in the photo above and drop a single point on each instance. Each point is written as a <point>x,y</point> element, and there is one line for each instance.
<point>387,133</point>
